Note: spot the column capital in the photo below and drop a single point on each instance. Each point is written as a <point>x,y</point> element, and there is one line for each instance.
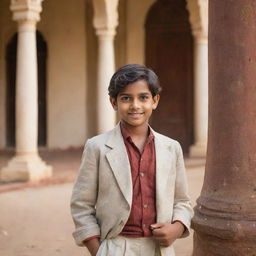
<point>198,17</point>
<point>105,18</point>
<point>26,10</point>
<point>200,38</point>
<point>107,34</point>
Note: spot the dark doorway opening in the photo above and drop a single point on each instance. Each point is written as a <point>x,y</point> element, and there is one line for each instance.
<point>11,55</point>
<point>169,52</point>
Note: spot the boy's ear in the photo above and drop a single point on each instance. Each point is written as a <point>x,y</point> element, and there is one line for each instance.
<point>113,102</point>
<point>156,99</point>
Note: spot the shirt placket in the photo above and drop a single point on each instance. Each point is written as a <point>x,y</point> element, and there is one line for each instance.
<point>142,173</point>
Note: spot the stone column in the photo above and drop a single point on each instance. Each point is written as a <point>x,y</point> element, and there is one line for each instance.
<point>200,95</point>
<point>225,215</point>
<point>105,22</point>
<point>198,17</point>
<point>26,165</point>
<point>106,68</point>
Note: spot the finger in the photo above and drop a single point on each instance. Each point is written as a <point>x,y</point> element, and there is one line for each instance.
<point>158,233</point>
<point>156,225</point>
<point>161,242</point>
<point>164,242</point>
<point>158,238</point>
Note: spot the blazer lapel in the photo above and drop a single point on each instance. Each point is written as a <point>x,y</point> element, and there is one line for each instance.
<point>163,165</point>
<point>119,163</point>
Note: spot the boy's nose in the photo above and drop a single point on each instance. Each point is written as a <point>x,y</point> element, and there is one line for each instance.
<point>135,104</point>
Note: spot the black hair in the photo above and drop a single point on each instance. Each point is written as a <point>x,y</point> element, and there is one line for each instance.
<point>131,73</point>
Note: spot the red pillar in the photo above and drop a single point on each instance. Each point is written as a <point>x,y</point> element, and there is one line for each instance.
<point>225,215</point>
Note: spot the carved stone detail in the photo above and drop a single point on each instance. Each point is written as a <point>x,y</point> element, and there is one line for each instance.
<point>198,16</point>
<point>105,16</point>
<point>26,10</point>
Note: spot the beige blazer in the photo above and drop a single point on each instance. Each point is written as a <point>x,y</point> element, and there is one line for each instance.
<point>102,194</point>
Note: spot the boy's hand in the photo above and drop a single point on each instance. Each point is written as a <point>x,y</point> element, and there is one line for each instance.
<point>166,233</point>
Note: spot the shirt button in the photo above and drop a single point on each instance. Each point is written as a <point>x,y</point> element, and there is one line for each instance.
<point>142,174</point>
<point>144,225</point>
<point>145,206</point>
<point>141,159</point>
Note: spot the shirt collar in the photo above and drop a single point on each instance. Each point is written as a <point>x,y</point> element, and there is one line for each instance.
<point>127,136</point>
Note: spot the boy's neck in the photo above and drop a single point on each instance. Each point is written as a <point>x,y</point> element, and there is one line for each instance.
<point>136,131</point>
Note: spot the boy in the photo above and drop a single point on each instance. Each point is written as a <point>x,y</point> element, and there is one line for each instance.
<point>130,197</point>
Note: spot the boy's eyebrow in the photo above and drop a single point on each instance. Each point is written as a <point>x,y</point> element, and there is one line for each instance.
<point>127,94</point>
<point>122,94</point>
<point>145,93</point>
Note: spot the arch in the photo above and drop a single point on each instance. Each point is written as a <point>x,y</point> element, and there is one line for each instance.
<point>169,52</point>
<point>11,54</point>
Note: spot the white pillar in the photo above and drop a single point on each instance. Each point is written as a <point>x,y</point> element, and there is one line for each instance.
<point>26,165</point>
<point>106,68</point>
<point>200,97</point>
<point>105,21</point>
<point>26,89</point>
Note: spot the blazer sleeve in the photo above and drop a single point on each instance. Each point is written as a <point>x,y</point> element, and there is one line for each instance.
<point>84,197</point>
<point>182,209</point>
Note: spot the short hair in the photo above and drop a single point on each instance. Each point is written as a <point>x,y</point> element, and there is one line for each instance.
<point>131,73</point>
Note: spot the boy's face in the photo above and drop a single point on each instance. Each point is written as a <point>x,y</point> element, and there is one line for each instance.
<point>135,103</point>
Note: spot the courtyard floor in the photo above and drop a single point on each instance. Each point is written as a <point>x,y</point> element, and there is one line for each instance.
<point>35,218</point>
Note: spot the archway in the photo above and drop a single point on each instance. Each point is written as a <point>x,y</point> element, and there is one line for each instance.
<point>11,53</point>
<point>169,52</point>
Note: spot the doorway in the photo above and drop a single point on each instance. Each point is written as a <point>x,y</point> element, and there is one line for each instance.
<point>169,52</point>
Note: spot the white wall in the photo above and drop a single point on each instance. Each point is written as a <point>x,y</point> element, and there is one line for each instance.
<point>63,26</point>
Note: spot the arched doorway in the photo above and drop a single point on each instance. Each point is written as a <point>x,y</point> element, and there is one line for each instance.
<point>169,52</point>
<point>11,53</point>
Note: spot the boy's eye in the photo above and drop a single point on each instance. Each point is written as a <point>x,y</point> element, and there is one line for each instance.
<point>125,98</point>
<point>144,97</point>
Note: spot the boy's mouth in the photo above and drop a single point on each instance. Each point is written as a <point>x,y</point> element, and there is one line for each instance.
<point>135,114</point>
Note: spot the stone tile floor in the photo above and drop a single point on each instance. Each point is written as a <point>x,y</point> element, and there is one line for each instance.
<point>35,218</point>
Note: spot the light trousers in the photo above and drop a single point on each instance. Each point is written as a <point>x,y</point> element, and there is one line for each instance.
<point>123,246</point>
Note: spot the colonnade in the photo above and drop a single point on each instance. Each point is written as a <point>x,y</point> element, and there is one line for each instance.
<point>26,164</point>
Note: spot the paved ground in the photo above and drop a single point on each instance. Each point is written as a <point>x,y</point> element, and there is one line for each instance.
<point>35,219</point>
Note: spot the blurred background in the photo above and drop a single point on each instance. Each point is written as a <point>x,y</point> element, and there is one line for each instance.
<point>56,59</point>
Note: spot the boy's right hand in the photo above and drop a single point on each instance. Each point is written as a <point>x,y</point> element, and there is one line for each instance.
<point>166,233</point>
<point>93,246</point>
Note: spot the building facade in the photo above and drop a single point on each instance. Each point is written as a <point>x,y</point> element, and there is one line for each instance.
<point>56,59</point>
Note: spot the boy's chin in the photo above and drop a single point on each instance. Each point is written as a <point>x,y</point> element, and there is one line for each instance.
<point>134,123</point>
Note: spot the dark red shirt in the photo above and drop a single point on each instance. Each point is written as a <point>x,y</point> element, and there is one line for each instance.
<point>143,170</point>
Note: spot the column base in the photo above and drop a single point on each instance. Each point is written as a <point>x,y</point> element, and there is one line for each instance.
<point>25,168</point>
<point>224,227</point>
<point>198,150</point>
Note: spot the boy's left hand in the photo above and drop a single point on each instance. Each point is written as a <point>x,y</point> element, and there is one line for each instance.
<point>166,233</point>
